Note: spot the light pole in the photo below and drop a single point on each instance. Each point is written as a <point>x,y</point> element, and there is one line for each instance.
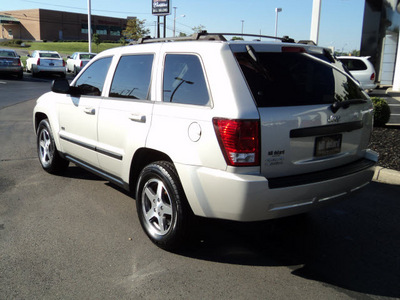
<point>277,10</point>
<point>175,19</point>
<point>89,27</point>
<point>242,25</point>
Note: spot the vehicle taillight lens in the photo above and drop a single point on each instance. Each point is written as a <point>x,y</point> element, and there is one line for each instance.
<point>294,49</point>
<point>38,62</point>
<point>372,76</point>
<point>239,141</point>
<point>63,63</point>
<point>81,64</point>
<point>19,62</point>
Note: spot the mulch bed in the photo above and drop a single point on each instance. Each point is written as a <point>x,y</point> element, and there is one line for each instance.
<point>386,141</point>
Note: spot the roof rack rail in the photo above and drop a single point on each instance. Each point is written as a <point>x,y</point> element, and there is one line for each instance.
<point>204,35</point>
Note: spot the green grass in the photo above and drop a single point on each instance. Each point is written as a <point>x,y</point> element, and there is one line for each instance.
<point>67,48</point>
<point>64,48</point>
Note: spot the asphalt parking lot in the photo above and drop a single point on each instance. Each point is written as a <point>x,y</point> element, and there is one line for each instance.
<point>77,236</point>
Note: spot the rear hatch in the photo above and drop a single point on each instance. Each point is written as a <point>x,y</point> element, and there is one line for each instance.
<point>9,61</point>
<point>313,116</point>
<point>50,60</point>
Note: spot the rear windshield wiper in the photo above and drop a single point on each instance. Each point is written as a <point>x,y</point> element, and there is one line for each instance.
<point>345,104</point>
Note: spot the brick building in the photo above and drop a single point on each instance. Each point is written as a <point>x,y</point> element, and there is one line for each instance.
<point>42,24</point>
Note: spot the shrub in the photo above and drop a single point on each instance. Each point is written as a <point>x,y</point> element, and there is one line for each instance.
<point>381,111</point>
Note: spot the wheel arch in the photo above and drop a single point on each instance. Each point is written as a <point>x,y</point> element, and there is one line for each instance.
<point>142,158</point>
<point>39,116</point>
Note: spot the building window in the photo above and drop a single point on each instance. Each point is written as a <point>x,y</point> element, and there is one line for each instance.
<point>115,31</point>
<point>84,29</point>
<point>101,30</point>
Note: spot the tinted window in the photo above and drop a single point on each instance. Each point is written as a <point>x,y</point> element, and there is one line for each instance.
<point>184,80</point>
<point>92,80</point>
<point>49,55</point>
<point>290,79</point>
<point>7,53</point>
<point>354,64</point>
<point>132,77</point>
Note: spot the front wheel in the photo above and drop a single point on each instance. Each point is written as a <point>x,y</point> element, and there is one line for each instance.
<point>49,157</point>
<point>162,206</point>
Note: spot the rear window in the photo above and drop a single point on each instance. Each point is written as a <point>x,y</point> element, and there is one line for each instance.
<point>354,64</point>
<point>49,55</point>
<point>293,79</point>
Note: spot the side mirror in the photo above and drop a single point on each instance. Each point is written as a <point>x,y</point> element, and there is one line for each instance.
<point>61,86</point>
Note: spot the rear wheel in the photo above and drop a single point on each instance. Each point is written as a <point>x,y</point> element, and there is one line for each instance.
<point>49,157</point>
<point>161,205</point>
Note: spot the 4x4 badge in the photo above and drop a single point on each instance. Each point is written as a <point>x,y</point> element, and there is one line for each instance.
<point>333,119</point>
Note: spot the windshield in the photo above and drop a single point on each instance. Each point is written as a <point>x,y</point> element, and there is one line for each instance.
<point>292,79</point>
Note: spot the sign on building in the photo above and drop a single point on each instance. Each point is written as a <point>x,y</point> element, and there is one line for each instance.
<point>160,7</point>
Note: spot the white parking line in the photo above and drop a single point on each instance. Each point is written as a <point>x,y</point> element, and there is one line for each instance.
<point>3,82</point>
<point>394,104</point>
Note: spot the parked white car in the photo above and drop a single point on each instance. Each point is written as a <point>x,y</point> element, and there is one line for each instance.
<point>236,130</point>
<point>78,60</point>
<point>45,62</point>
<point>361,69</point>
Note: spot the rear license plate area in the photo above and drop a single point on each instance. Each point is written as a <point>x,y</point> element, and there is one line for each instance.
<point>327,145</point>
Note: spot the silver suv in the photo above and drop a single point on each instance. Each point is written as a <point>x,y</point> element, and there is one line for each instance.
<point>202,126</point>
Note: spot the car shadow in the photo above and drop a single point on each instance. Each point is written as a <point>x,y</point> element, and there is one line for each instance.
<point>352,245</point>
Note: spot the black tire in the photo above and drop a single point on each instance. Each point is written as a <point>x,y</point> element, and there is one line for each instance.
<point>162,206</point>
<point>20,75</point>
<point>49,157</point>
<point>75,72</point>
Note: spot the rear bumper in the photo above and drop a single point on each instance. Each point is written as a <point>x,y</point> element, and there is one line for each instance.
<point>46,69</point>
<point>10,69</point>
<point>242,197</point>
<point>368,86</point>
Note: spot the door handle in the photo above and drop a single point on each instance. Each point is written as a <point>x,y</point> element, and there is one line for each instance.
<point>89,110</point>
<point>138,118</point>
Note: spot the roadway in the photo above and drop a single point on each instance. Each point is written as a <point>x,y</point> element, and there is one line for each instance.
<point>78,237</point>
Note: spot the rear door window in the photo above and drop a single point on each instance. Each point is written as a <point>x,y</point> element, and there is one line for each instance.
<point>293,79</point>
<point>184,80</point>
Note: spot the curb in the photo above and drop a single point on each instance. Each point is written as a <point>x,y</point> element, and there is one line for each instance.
<point>385,175</point>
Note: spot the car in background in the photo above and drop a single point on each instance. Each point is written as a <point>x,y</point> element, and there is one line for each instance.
<point>361,69</point>
<point>78,60</point>
<point>45,62</point>
<point>10,63</point>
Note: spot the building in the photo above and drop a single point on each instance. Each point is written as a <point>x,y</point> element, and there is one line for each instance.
<point>42,24</point>
<point>380,37</point>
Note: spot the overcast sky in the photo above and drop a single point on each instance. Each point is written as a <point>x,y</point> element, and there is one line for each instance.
<point>341,20</point>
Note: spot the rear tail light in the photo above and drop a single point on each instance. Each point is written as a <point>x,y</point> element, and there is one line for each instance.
<point>239,141</point>
<point>372,76</point>
<point>63,63</point>
<point>19,62</point>
<point>38,62</point>
<point>81,64</point>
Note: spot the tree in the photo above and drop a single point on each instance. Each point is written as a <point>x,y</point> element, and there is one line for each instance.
<point>135,29</point>
<point>96,39</point>
<point>199,28</point>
